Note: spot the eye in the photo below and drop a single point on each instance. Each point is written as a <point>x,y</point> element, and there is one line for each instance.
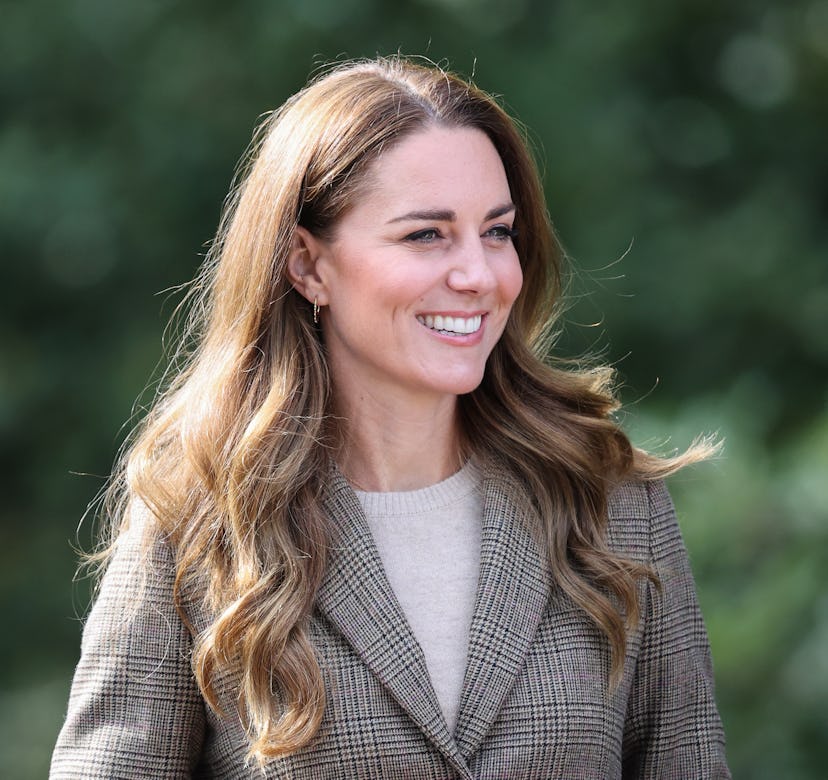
<point>501,233</point>
<point>427,236</point>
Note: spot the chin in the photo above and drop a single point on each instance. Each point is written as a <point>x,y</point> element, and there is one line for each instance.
<point>464,385</point>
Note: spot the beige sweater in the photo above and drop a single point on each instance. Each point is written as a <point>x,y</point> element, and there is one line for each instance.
<point>429,542</point>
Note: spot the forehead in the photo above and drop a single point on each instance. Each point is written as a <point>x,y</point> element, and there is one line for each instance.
<point>456,164</point>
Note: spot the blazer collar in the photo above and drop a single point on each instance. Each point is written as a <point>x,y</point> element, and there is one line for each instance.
<point>512,593</point>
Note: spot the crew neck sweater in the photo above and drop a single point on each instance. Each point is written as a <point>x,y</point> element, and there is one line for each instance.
<point>429,543</point>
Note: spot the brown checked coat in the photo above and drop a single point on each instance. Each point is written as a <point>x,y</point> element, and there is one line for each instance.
<point>534,702</point>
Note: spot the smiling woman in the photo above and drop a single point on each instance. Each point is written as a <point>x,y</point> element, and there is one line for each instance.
<point>368,531</point>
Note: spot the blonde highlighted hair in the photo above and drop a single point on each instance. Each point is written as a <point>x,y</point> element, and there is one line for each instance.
<point>231,459</point>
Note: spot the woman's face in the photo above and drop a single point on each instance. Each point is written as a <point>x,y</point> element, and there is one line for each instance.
<point>422,272</point>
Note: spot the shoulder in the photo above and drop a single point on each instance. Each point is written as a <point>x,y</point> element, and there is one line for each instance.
<point>134,709</point>
<point>642,520</point>
<point>136,588</point>
<point>639,499</point>
<point>140,554</point>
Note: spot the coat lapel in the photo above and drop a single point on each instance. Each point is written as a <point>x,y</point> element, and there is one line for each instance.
<point>512,595</point>
<point>357,598</point>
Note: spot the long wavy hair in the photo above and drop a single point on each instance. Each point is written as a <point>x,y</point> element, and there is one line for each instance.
<point>232,457</point>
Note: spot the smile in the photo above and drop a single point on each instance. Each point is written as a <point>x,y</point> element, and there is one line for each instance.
<point>451,325</point>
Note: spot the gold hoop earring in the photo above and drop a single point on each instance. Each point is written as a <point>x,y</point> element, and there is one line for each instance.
<point>316,311</point>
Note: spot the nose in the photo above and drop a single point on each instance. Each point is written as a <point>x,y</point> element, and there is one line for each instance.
<point>471,269</point>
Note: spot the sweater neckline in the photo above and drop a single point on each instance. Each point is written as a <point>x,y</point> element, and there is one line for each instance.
<point>455,488</point>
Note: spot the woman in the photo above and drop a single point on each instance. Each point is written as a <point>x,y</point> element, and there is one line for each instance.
<point>366,532</point>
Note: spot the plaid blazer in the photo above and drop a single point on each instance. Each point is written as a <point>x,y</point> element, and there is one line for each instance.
<point>534,703</point>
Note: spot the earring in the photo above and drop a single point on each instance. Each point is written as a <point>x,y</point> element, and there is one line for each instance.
<point>316,311</point>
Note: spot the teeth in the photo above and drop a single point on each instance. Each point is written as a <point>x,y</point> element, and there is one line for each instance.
<point>451,325</point>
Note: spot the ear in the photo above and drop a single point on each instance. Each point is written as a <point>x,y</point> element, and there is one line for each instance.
<point>303,266</point>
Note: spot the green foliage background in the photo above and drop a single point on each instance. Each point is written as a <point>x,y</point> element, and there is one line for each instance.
<point>686,167</point>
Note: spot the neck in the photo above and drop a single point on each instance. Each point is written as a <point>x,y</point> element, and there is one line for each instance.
<point>388,449</point>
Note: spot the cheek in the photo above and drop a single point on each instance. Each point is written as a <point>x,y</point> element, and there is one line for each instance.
<point>511,280</point>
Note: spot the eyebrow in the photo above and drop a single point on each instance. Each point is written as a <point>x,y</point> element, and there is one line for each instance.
<point>446,215</point>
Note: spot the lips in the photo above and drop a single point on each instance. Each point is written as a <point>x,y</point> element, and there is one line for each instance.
<point>451,325</point>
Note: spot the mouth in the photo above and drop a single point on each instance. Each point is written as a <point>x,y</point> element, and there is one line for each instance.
<point>451,326</point>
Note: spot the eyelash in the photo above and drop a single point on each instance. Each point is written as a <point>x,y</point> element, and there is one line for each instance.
<point>503,232</point>
<point>427,236</point>
<point>424,236</point>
